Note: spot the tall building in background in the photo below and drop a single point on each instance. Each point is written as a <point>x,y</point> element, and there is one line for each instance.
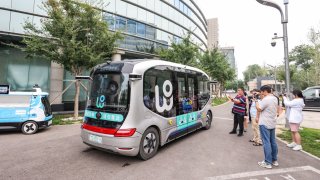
<point>145,24</point>
<point>229,53</point>
<point>213,33</point>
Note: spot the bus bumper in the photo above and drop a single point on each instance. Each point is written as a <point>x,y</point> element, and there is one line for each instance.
<point>128,146</point>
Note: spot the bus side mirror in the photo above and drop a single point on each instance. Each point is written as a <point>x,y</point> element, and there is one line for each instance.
<point>134,77</point>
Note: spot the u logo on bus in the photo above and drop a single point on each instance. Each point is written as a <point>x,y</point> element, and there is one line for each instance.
<point>167,95</point>
<point>100,101</point>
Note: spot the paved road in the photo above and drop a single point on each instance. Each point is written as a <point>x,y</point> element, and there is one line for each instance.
<point>58,153</point>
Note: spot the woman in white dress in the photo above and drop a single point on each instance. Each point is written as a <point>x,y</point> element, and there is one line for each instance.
<point>295,117</point>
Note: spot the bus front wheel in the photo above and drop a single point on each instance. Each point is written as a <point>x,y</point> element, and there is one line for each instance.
<point>208,120</point>
<point>29,127</point>
<point>149,144</point>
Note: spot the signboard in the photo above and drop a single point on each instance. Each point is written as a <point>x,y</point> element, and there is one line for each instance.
<point>4,89</point>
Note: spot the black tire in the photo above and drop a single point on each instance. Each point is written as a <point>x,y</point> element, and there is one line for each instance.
<point>29,127</point>
<point>149,144</point>
<point>208,120</point>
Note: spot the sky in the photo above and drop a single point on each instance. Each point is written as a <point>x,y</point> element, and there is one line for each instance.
<point>248,26</point>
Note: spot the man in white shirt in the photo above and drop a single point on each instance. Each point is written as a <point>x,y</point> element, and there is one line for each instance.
<point>267,124</point>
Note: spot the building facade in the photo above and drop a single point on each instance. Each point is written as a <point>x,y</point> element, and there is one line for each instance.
<point>213,33</point>
<point>229,53</point>
<point>145,24</point>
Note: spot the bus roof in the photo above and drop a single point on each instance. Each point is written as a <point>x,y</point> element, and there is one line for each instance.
<point>145,64</point>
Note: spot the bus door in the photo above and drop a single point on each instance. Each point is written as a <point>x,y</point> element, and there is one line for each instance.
<point>181,118</point>
<point>191,103</point>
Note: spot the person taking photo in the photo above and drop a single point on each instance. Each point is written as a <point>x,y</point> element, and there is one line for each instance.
<point>267,123</point>
<point>239,111</point>
<point>295,117</point>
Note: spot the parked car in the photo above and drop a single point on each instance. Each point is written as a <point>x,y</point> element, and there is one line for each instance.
<point>312,98</point>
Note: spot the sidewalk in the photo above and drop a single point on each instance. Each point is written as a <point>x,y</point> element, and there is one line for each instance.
<point>310,120</point>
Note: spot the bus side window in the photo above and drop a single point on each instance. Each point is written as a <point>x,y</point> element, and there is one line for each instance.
<point>203,91</point>
<point>152,78</point>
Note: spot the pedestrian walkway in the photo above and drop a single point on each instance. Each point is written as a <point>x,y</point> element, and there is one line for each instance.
<point>310,119</point>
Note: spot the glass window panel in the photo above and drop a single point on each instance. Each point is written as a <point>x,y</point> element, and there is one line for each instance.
<point>110,5</point>
<point>177,3</point>
<point>120,23</point>
<point>142,3</point>
<point>5,3</point>
<point>39,8</point>
<point>131,42</point>
<point>150,32</point>
<point>4,20</point>
<point>132,11</point>
<point>121,8</point>
<point>132,27</point>
<point>150,18</point>
<point>141,29</point>
<point>21,73</point>
<point>165,24</point>
<point>158,35</point>
<point>181,6</point>
<point>17,22</point>
<point>142,15</point>
<point>26,6</point>
<point>150,4</point>
<point>109,18</point>
<point>164,9</point>
<point>157,19</point>
<point>171,27</point>
<point>157,6</point>
<point>165,37</point>
<point>37,21</point>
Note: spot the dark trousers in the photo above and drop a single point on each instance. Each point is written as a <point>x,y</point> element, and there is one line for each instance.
<point>238,119</point>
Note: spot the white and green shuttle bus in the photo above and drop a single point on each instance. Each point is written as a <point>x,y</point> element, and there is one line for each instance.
<point>135,106</point>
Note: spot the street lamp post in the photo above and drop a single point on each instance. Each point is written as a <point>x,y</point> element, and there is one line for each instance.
<point>284,22</point>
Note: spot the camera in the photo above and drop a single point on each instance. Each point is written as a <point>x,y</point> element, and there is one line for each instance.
<point>273,43</point>
<point>256,96</point>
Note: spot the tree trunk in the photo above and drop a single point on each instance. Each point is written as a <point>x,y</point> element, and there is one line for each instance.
<point>76,100</point>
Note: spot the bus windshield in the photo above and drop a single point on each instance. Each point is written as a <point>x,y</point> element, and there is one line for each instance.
<point>110,92</point>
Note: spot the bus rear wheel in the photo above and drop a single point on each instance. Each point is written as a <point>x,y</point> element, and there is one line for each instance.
<point>29,127</point>
<point>208,120</point>
<point>149,144</point>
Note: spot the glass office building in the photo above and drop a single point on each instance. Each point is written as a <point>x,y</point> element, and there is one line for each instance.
<point>145,24</point>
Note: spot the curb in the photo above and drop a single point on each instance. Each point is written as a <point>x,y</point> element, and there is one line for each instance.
<point>311,155</point>
<point>222,104</point>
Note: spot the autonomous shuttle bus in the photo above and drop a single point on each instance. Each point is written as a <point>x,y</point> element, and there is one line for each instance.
<point>135,106</point>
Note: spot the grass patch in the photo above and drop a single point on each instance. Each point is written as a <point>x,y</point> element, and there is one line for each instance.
<point>219,100</point>
<point>58,119</point>
<point>310,140</point>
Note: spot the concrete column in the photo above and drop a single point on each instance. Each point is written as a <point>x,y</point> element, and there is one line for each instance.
<point>56,82</point>
<point>117,55</point>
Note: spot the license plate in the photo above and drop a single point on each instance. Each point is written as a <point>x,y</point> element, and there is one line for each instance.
<point>49,122</point>
<point>96,139</point>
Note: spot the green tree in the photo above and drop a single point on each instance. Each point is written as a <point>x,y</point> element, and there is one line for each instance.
<point>73,35</point>
<point>184,52</point>
<point>253,71</point>
<point>234,84</point>
<point>303,56</point>
<point>215,64</point>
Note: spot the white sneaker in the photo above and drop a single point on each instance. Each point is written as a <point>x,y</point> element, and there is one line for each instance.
<point>265,165</point>
<point>275,163</point>
<point>297,148</point>
<point>291,145</point>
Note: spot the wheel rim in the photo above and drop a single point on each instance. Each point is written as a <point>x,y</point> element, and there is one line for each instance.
<point>149,143</point>
<point>208,120</point>
<point>29,127</point>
